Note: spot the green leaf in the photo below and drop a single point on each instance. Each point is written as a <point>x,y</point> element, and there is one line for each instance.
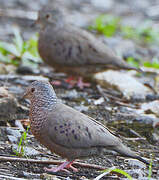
<point>18,39</point>
<point>10,48</point>
<point>123,173</point>
<point>28,55</point>
<point>113,169</point>
<point>144,33</point>
<point>32,45</point>
<point>106,24</point>
<point>4,58</point>
<point>128,31</point>
<point>20,51</point>
<point>133,62</point>
<point>154,64</point>
<point>22,143</point>
<point>27,62</point>
<point>150,170</point>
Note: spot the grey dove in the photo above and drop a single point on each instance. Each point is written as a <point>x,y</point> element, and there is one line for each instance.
<point>67,132</point>
<point>73,50</point>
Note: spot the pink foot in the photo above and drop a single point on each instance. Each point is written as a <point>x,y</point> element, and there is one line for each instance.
<point>56,83</point>
<point>63,167</point>
<point>82,84</point>
<point>71,81</point>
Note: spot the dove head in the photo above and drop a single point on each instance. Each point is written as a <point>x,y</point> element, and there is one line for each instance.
<point>42,93</point>
<point>53,17</point>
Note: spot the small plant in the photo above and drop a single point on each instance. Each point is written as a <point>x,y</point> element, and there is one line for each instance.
<point>143,33</point>
<point>106,24</point>
<point>119,171</point>
<point>19,51</point>
<point>150,171</point>
<point>110,25</point>
<point>128,32</point>
<point>153,64</point>
<point>113,169</point>
<point>22,144</point>
<point>133,62</point>
<point>150,168</point>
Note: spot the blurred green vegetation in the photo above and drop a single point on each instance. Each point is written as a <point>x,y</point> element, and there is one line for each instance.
<point>19,51</point>
<point>106,24</point>
<point>111,25</point>
<point>25,52</point>
<point>145,34</point>
<point>132,61</point>
<point>153,64</point>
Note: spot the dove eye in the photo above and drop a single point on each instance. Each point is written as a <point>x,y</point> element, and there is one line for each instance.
<point>47,16</point>
<point>32,90</point>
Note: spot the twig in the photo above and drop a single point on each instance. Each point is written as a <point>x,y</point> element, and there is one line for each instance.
<point>104,93</point>
<point>101,92</point>
<point>117,100</point>
<point>10,177</point>
<point>135,133</point>
<point>135,139</point>
<point>79,164</point>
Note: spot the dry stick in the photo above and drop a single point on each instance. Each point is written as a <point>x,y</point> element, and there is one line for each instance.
<point>15,159</point>
<point>118,100</point>
<point>104,94</point>
<point>9,177</point>
<point>135,139</point>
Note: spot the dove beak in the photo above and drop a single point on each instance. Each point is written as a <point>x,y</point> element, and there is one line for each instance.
<point>37,21</point>
<point>34,23</point>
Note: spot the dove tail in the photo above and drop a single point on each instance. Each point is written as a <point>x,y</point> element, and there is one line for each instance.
<point>125,151</point>
<point>123,65</point>
<point>134,68</point>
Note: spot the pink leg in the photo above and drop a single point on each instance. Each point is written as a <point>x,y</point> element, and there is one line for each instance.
<point>71,81</point>
<point>56,83</point>
<point>82,84</point>
<point>67,164</point>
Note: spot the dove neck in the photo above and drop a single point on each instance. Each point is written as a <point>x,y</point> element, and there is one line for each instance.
<point>44,102</point>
